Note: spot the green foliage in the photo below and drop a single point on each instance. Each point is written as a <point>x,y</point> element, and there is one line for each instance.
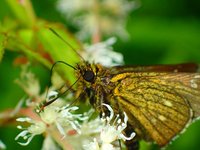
<point>2,45</point>
<point>31,37</point>
<point>160,32</point>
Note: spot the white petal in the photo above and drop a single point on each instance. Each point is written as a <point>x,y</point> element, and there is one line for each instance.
<point>49,144</point>
<point>106,146</point>
<point>25,119</point>
<point>17,108</point>
<point>123,137</point>
<point>2,145</point>
<point>49,114</point>
<point>37,128</point>
<point>92,145</point>
<point>109,134</point>
<point>21,134</point>
<point>19,127</point>
<point>111,111</point>
<point>28,141</point>
<point>61,130</point>
<point>52,94</point>
<point>73,108</point>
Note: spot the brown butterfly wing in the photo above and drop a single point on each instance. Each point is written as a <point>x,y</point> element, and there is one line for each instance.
<point>187,67</point>
<point>159,105</point>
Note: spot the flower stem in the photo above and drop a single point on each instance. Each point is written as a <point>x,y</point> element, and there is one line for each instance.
<point>62,142</point>
<point>96,37</point>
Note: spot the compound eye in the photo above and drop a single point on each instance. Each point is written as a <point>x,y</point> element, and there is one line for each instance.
<point>89,76</point>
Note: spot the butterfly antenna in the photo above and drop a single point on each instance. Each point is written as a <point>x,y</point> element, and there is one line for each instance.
<point>51,72</point>
<point>52,30</point>
<point>57,62</point>
<point>74,101</point>
<point>59,95</point>
<point>61,62</point>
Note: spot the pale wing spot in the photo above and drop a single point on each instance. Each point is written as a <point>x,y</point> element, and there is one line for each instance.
<point>153,120</point>
<point>175,70</point>
<point>168,103</point>
<point>193,84</point>
<point>197,76</point>
<point>161,117</point>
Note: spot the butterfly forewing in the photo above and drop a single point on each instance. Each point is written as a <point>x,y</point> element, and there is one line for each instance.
<point>187,67</point>
<point>159,105</point>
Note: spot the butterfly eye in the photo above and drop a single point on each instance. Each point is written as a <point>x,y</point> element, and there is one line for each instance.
<point>89,76</point>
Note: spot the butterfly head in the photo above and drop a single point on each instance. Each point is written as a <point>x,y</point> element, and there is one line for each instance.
<point>88,72</point>
<point>89,76</point>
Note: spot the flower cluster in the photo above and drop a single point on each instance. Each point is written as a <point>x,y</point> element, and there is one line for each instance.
<point>103,53</point>
<point>28,82</point>
<point>104,131</point>
<point>111,131</point>
<point>2,145</point>
<point>52,116</point>
<point>105,16</point>
<point>36,128</point>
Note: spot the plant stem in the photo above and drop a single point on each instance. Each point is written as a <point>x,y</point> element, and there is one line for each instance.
<point>96,37</point>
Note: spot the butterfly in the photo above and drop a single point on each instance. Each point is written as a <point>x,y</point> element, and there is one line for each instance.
<point>160,101</point>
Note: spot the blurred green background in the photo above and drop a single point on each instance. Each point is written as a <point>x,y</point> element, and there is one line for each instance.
<point>161,32</point>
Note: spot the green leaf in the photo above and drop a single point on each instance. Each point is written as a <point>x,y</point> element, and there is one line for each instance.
<point>41,44</point>
<point>20,46</point>
<point>59,50</point>
<point>8,25</point>
<point>3,41</point>
<point>23,11</point>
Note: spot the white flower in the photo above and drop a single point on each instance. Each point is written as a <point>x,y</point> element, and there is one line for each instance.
<point>73,7</point>
<point>29,82</point>
<point>53,115</point>
<point>91,127</point>
<point>49,144</point>
<point>111,131</point>
<point>49,114</point>
<point>92,145</point>
<point>13,112</point>
<point>36,128</point>
<point>108,146</point>
<point>2,145</point>
<point>62,117</point>
<point>96,146</point>
<point>103,53</point>
<point>106,16</point>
